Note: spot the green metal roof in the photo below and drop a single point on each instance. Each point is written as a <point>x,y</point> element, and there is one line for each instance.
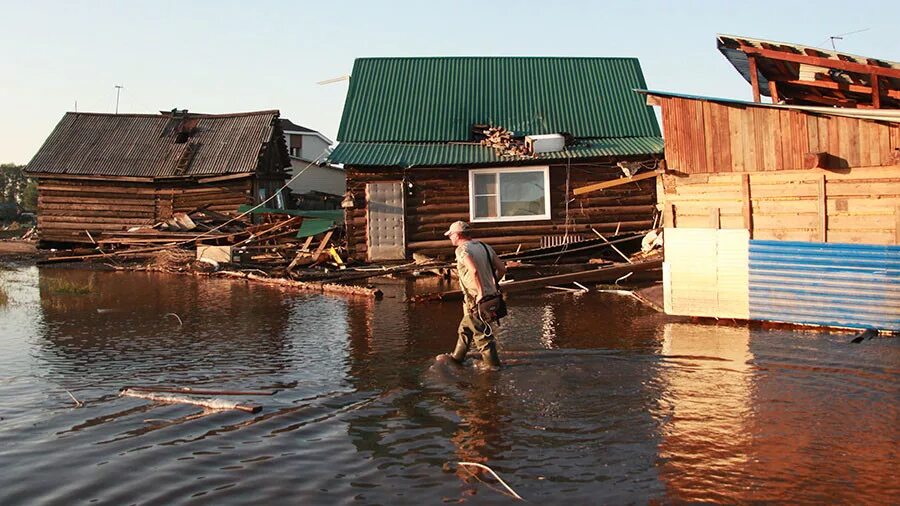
<point>439,99</point>
<point>447,154</point>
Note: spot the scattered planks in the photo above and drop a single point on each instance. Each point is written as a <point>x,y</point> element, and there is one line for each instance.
<point>326,288</point>
<point>603,274</point>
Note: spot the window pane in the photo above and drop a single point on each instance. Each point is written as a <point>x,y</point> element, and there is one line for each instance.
<point>485,184</point>
<point>485,207</point>
<point>521,193</point>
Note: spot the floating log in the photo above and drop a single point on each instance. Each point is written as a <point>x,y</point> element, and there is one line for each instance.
<point>194,391</point>
<point>217,404</point>
<point>328,288</point>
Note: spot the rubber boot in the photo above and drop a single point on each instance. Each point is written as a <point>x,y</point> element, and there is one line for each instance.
<point>459,353</point>
<point>489,356</point>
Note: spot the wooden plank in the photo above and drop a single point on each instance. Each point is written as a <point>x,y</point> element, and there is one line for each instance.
<point>773,92</point>
<point>617,182</point>
<point>754,77</point>
<point>819,61</point>
<point>747,210</point>
<point>897,225</point>
<point>715,218</point>
<point>831,85</point>
<point>669,215</point>
<point>823,211</point>
<point>735,138</point>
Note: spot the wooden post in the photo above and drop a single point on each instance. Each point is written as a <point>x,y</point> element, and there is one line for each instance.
<point>715,218</point>
<point>669,216</point>
<point>823,210</point>
<point>748,204</point>
<point>754,77</point>
<point>897,225</point>
<point>876,92</point>
<point>773,91</point>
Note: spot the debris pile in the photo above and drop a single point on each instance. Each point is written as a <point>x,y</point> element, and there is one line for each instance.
<point>504,143</point>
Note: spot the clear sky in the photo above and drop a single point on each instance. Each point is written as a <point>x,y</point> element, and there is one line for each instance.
<point>223,56</point>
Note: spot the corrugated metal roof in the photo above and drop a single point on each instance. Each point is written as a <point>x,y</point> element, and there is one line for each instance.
<point>831,284</point>
<point>450,154</point>
<point>143,145</point>
<point>439,99</point>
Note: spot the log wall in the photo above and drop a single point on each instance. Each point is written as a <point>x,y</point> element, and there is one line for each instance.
<point>440,196</point>
<point>705,137</point>
<point>860,205</point>
<point>69,207</point>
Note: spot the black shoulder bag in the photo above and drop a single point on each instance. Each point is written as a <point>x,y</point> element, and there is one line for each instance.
<point>492,307</point>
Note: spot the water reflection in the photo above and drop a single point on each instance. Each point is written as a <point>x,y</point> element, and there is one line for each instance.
<point>602,400</point>
<point>705,437</point>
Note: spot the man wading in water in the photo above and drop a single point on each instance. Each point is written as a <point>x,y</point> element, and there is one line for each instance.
<point>476,263</point>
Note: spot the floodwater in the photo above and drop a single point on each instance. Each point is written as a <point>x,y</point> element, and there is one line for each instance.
<point>602,401</point>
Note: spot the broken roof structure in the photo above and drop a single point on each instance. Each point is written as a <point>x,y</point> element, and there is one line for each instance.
<point>803,75</point>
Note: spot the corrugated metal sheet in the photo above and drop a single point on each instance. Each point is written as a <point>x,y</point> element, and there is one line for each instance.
<point>838,285</point>
<point>137,145</point>
<point>439,99</point>
<point>439,154</point>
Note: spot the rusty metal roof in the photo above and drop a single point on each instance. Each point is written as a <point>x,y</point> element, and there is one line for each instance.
<point>158,145</point>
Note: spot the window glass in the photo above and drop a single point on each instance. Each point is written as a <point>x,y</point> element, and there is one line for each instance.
<point>521,193</point>
<point>262,194</point>
<point>486,207</point>
<point>485,184</point>
<point>279,200</point>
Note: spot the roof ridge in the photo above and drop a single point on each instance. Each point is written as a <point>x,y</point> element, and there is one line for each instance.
<point>192,114</point>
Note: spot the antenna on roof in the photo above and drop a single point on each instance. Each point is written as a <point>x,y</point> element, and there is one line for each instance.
<point>76,105</point>
<point>840,36</point>
<point>335,80</point>
<point>118,89</point>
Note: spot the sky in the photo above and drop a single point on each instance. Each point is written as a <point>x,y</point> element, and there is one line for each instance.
<point>223,56</point>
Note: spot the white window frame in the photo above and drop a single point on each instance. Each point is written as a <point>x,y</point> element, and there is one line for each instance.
<point>545,169</point>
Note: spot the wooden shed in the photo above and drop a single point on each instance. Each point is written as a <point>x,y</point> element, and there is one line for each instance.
<point>411,144</point>
<point>781,213</point>
<point>105,173</point>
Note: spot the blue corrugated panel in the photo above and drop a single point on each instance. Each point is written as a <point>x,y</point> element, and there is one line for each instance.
<point>836,285</point>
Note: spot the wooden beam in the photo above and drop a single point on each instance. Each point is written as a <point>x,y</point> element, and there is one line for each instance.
<point>821,62</point>
<point>817,160</point>
<point>823,210</point>
<point>876,92</point>
<point>897,225</point>
<point>669,216</point>
<point>715,218</point>
<point>754,78</point>
<point>773,92</point>
<point>616,182</point>
<point>855,88</point>
<point>748,203</point>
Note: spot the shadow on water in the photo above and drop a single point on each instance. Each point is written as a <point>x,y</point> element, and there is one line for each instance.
<point>600,401</point>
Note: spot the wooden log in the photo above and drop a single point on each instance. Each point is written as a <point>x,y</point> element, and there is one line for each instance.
<point>603,274</point>
<point>609,184</point>
<point>326,288</point>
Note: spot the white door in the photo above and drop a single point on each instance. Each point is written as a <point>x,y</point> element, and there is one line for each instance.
<point>385,227</point>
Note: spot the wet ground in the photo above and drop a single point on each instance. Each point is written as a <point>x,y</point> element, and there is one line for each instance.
<point>602,401</point>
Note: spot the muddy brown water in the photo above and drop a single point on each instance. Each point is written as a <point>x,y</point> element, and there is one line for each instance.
<point>602,401</point>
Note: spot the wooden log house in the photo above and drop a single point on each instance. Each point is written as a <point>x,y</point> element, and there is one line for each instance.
<point>411,144</point>
<point>781,213</point>
<point>105,173</point>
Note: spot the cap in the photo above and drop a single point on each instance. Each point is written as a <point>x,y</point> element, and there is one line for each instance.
<point>457,226</point>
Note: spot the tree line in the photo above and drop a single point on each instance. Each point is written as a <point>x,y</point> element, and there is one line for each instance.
<point>16,189</point>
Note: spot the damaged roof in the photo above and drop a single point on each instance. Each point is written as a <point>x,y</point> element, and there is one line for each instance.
<point>804,75</point>
<point>433,102</point>
<point>175,144</point>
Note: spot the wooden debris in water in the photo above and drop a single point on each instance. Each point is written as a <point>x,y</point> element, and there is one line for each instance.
<point>198,391</point>
<point>214,404</point>
<point>512,492</point>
